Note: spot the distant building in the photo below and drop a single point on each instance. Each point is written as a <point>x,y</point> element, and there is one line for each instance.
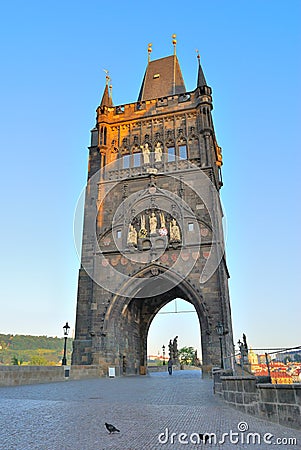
<point>252,357</point>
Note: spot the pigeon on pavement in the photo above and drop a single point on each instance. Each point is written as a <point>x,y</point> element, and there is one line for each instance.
<point>111,428</point>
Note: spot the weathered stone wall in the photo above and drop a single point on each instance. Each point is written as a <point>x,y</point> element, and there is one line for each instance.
<point>18,375</point>
<point>115,310</point>
<point>281,403</point>
<point>278,403</point>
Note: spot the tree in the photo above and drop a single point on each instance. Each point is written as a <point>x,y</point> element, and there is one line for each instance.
<point>16,362</point>
<point>38,360</point>
<point>187,355</point>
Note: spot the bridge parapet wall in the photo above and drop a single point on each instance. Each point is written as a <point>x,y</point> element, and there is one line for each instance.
<point>19,375</point>
<point>280,403</point>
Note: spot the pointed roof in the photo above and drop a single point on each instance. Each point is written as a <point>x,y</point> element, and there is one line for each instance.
<point>106,98</point>
<point>201,76</point>
<point>163,77</point>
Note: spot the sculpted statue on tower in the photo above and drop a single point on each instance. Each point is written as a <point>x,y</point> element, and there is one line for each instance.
<point>174,231</point>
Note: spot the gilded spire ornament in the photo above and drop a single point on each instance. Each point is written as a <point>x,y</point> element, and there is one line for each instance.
<point>174,43</point>
<point>149,50</point>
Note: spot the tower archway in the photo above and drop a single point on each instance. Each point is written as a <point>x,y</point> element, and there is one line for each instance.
<point>130,315</point>
<point>176,318</point>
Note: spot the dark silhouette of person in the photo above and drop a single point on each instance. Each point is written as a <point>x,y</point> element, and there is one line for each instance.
<point>169,366</point>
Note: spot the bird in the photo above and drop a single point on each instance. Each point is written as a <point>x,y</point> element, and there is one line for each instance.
<point>111,428</point>
<point>204,437</point>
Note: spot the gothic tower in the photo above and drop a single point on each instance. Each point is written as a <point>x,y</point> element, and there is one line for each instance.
<point>152,222</point>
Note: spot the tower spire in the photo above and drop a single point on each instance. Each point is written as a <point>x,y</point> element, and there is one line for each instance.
<point>201,77</point>
<point>107,96</point>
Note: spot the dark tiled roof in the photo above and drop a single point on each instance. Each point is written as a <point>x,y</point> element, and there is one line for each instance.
<point>162,77</point>
<point>201,77</point>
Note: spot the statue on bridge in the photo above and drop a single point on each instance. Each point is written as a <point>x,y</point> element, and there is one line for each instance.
<point>243,349</point>
<point>173,350</point>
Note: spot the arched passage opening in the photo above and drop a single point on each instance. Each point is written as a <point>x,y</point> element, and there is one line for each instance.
<point>176,318</point>
<point>133,310</point>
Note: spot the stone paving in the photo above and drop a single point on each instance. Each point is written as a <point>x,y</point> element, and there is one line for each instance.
<point>71,415</point>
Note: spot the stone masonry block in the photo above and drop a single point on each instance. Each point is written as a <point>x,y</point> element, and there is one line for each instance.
<point>297,390</point>
<point>286,394</point>
<point>268,395</point>
<point>249,385</point>
<point>268,410</point>
<point>238,397</point>
<point>289,415</point>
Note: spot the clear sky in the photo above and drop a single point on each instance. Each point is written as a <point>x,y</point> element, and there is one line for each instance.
<point>52,79</point>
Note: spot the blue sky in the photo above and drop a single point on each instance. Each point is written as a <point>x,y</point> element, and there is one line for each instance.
<point>52,60</point>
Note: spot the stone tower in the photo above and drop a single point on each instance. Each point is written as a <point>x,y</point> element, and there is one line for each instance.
<point>152,222</point>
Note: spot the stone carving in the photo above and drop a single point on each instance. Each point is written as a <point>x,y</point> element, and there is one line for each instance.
<point>142,232</point>
<point>163,230</point>
<point>146,153</point>
<point>243,349</point>
<point>175,349</point>
<point>153,223</point>
<point>132,236</point>
<point>162,220</point>
<point>174,231</point>
<point>158,152</point>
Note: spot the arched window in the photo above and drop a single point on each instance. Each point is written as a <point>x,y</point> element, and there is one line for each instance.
<point>126,161</point>
<point>171,154</point>
<point>103,136</point>
<point>183,151</point>
<point>137,159</point>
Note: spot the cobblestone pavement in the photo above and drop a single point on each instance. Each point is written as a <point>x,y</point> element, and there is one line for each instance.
<point>71,415</point>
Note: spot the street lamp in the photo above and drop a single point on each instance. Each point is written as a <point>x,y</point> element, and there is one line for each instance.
<point>66,329</point>
<point>163,349</point>
<point>220,331</point>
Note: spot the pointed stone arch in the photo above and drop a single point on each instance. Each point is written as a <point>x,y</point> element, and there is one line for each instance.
<point>135,306</point>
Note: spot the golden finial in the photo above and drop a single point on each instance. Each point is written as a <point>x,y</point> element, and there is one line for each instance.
<point>149,49</point>
<point>198,55</point>
<point>174,42</point>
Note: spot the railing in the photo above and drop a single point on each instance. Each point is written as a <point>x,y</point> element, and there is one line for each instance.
<point>117,172</point>
<point>272,365</point>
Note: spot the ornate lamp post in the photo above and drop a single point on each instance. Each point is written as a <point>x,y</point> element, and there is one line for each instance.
<point>66,329</point>
<point>220,331</point>
<point>163,349</point>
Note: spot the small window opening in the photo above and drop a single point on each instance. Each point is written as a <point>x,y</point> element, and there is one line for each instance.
<point>190,226</point>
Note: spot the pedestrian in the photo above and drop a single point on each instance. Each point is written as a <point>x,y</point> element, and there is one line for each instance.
<point>169,366</point>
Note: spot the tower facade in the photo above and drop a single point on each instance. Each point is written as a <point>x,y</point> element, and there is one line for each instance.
<point>152,222</point>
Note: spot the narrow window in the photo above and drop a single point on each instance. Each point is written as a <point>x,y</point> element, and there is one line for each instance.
<point>126,161</point>
<point>190,226</point>
<point>105,136</point>
<point>137,159</point>
<point>171,154</point>
<point>183,151</point>
<point>118,234</point>
<point>101,136</point>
